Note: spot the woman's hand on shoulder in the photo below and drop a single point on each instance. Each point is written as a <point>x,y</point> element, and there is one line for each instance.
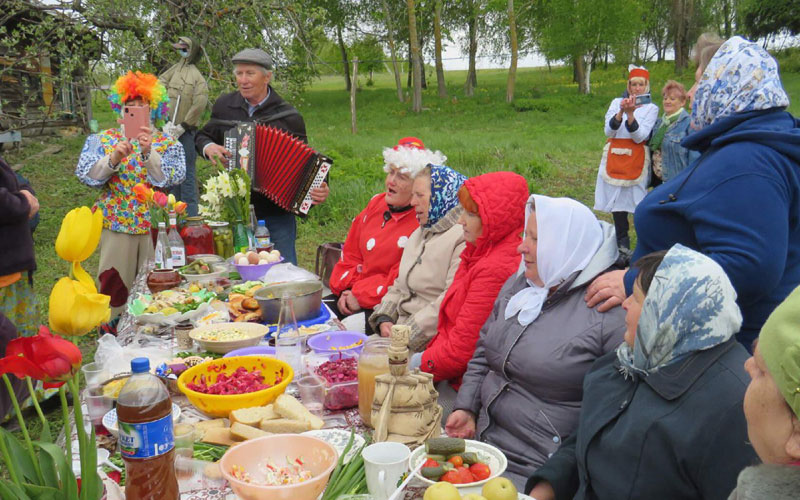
<point>543,491</point>
<point>461,424</point>
<point>608,288</point>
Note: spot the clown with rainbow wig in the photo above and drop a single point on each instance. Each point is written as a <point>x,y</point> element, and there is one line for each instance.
<point>114,164</point>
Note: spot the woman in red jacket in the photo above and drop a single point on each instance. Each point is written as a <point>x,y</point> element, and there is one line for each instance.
<point>493,220</point>
<point>371,254</point>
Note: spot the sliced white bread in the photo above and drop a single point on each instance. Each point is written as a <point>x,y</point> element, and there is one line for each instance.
<point>285,426</point>
<point>292,409</point>
<point>245,432</point>
<point>218,435</point>
<point>253,416</point>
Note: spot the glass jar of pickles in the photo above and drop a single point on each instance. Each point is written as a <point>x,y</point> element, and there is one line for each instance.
<point>223,239</point>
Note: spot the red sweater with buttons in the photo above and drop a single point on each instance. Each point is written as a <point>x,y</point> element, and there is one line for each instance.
<point>485,267</point>
<point>371,254</point>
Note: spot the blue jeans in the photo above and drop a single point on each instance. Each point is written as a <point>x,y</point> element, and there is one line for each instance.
<point>187,190</point>
<point>283,233</point>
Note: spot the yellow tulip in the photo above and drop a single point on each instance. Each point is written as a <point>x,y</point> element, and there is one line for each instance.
<point>171,200</point>
<point>79,234</point>
<point>75,306</point>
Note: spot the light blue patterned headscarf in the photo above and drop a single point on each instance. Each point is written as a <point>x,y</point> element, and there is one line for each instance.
<point>690,306</point>
<point>740,77</point>
<point>444,192</point>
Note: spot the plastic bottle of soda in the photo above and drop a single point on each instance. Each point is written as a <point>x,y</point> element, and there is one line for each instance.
<point>146,439</point>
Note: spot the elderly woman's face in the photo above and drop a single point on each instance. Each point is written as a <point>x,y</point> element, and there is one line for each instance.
<point>771,425</point>
<point>421,198</point>
<point>637,86</point>
<point>398,188</point>
<point>673,102</point>
<point>528,247</point>
<point>633,311</point>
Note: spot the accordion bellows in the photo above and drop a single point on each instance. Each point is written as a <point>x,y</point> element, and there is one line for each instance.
<point>281,167</point>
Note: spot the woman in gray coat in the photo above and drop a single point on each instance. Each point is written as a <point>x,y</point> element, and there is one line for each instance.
<point>523,387</point>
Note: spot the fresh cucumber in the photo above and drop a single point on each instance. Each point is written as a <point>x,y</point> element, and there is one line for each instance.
<point>432,473</point>
<point>445,446</point>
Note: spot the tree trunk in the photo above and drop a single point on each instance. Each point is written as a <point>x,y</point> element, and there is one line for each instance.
<point>726,12</point>
<point>416,62</point>
<point>421,43</point>
<point>410,67</point>
<point>512,70</point>
<point>393,50</point>
<point>682,12</point>
<point>353,97</point>
<point>346,63</point>
<point>579,71</point>
<point>437,38</point>
<point>472,27</point>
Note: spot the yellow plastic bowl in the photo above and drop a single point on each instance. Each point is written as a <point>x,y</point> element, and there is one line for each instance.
<point>220,405</point>
<point>252,456</point>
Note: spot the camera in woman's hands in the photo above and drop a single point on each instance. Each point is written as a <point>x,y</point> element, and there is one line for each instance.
<point>642,100</point>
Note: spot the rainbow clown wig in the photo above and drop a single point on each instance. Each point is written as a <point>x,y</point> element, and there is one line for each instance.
<point>144,85</point>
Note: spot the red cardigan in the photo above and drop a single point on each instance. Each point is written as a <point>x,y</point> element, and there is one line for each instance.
<point>371,254</point>
<point>485,267</point>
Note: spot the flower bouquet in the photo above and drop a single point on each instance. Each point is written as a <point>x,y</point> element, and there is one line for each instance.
<point>159,205</point>
<point>41,469</point>
<point>226,197</point>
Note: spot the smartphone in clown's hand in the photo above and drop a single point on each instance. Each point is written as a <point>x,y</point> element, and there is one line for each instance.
<point>133,119</point>
<point>643,99</point>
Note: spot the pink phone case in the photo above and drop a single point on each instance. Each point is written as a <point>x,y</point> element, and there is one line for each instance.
<point>133,119</point>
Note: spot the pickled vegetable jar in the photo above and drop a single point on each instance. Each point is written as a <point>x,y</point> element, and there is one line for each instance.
<point>223,239</point>
<point>197,236</point>
<point>373,361</point>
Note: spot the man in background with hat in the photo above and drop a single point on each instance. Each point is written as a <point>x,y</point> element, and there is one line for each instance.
<point>188,97</point>
<point>257,101</point>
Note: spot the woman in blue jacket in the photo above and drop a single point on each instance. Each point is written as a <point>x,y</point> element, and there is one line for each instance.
<point>669,157</point>
<point>740,202</point>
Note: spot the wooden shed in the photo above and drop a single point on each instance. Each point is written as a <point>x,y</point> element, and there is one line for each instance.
<point>43,84</point>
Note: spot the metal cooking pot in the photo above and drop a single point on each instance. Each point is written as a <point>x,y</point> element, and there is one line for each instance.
<point>307,299</point>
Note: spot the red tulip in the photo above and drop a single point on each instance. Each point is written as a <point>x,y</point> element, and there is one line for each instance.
<point>44,357</point>
<point>160,198</point>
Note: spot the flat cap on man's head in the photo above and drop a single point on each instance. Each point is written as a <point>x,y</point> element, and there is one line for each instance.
<point>253,56</point>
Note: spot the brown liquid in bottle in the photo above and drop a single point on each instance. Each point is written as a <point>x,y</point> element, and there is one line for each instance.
<point>149,478</point>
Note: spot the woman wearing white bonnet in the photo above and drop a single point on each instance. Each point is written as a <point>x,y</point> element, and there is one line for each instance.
<point>379,233</point>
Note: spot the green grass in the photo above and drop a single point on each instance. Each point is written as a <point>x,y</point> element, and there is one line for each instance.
<point>556,145</point>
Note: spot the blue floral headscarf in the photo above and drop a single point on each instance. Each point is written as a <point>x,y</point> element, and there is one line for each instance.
<point>444,192</point>
<point>690,306</point>
<point>740,77</point>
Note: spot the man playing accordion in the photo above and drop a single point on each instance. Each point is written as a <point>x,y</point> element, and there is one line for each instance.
<point>257,101</point>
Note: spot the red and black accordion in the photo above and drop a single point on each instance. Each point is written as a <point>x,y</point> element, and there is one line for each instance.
<point>281,167</point>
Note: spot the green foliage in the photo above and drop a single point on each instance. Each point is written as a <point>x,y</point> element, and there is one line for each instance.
<point>370,55</point>
<point>768,17</point>
<point>525,104</point>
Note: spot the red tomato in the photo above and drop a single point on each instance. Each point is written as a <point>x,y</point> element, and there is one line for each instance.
<point>466,475</point>
<point>480,471</point>
<point>430,463</point>
<point>452,477</point>
<point>457,461</point>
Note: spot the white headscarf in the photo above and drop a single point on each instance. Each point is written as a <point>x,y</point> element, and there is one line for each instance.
<point>569,235</point>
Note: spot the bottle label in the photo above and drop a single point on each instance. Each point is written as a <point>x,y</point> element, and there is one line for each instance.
<point>178,257</point>
<point>146,439</point>
<point>159,256</point>
<point>263,241</point>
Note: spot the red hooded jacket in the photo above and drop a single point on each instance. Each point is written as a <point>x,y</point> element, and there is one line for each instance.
<point>485,267</point>
<point>371,254</point>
